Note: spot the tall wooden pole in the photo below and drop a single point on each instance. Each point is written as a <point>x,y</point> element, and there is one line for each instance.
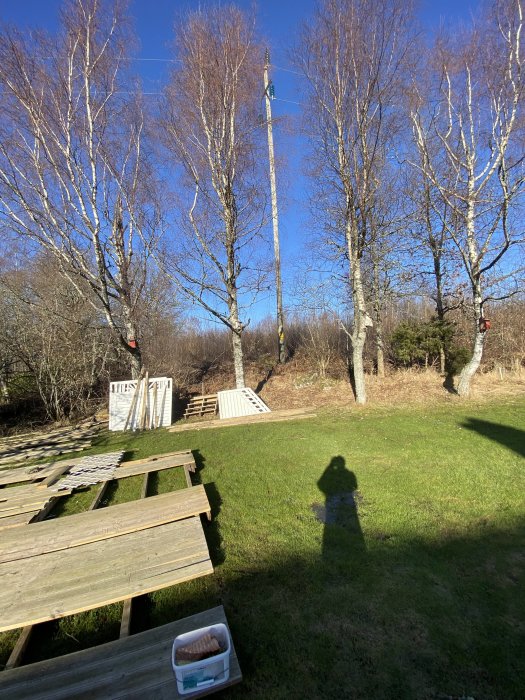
<point>275,217</point>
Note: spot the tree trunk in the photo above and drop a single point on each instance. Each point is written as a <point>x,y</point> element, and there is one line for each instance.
<point>361,321</point>
<point>281,350</point>
<point>358,368</point>
<point>238,359</point>
<point>135,362</point>
<point>472,366</point>
<point>442,360</point>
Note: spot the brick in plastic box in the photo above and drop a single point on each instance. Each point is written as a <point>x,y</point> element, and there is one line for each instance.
<point>205,673</point>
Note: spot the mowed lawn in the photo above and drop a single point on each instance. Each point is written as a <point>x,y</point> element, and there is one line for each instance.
<point>369,553</point>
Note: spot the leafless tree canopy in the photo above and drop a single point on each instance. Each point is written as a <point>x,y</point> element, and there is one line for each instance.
<point>355,58</point>
<point>469,135</point>
<point>213,131</point>
<point>72,167</point>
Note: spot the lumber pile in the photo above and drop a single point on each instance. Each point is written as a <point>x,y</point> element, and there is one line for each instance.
<point>199,406</point>
<point>32,446</point>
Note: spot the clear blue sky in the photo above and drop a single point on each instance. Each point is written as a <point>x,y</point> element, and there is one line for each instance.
<point>278,21</point>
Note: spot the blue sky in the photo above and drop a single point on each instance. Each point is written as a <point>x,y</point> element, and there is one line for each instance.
<point>279,21</point>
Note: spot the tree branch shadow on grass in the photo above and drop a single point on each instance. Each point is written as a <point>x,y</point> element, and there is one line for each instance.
<point>513,438</point>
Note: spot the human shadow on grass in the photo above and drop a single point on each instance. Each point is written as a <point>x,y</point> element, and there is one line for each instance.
<point>513,438</point>
<point>342,535</point>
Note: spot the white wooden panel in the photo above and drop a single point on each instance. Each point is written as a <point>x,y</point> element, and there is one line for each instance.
<point>240,402</point>
<point>121,396</point>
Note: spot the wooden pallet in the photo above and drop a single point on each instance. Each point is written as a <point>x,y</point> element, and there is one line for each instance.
<point>201,406</point>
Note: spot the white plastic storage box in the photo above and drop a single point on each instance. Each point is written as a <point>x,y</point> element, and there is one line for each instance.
<point>206,673</point>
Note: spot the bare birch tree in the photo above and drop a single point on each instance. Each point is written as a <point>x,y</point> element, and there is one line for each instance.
<point>212,129</point>
<point>474,117</point>
<point>73,177</point>
<point>353,57</point>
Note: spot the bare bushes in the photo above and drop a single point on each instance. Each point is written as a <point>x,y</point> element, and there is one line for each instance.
<point>200,359</point>
<point>58,348</point>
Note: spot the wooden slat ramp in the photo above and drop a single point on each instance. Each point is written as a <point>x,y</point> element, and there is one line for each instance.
<point>68,581</point>
<point>96,525</point>
<point>137,667</point>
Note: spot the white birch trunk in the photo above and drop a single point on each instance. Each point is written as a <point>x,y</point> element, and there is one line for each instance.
<point>472,366</point>
<point>238,364</point>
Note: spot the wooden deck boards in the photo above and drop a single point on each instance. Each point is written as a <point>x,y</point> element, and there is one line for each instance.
<point>89,576</point>
<point>137,667</point>
<point>21,474</point>
<point>96,525</point>
<point>16,520</point>
<point>18,500</point>
<point>129,468</point>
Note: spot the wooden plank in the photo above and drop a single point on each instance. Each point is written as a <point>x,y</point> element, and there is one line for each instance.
<point>44,512</point>
<point>23,494</point>
<point>99,495</point>
<point>125,623</point>
<point>31,500</point>
<point>272,417</point>
<point>134,400</point>
<point>96,525</point>
<point>144,408</point>
<point>32,473</point>
<point>32,507</point>
<point>55,474</point>
<point>187,477</point>
<point>185,456</point>
<point>123,472</point>
<point>17,654</point>
<point>135,668</point>
<point>144,492</point>
<point>73,580</point>
<point>17,520</point>
<point>15,658</point>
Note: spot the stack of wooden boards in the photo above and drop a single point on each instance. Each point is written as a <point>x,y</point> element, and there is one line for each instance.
<point>20,504</point>
<point>18,449</point>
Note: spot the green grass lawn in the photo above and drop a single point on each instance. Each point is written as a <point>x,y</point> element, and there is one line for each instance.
<point>414,592</point>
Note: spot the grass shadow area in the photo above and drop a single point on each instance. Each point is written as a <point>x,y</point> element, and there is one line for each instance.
<point>416,620</point>
<point>506,435</point>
